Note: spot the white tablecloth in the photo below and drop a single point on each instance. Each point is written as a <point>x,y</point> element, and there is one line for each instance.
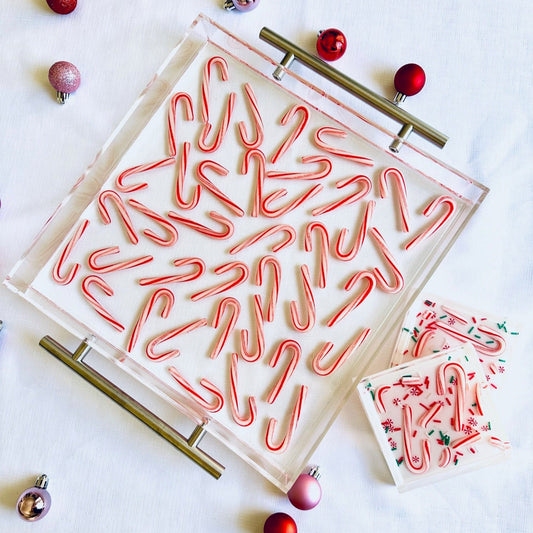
<point>107,471</point>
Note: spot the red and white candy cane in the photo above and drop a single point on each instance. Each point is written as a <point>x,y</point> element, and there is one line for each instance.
<point>241,277</point>
<point>235,310</point>
<point>324,247</point>
<point>222,129</point>
<point>119,182</point>
<point>310,306</point>
<point>424,463</point>
<point>316,175</point>
<point>366,187</point>
<point>449,202</point>
<point>422,341</point>
<point>109,195</point>
<point>445,457</point>
<point>287,241</point>
<point>261,163</point>
<point>172,237</point>
<point>222,65</point>
<point>113,267</point>
<point>460,390</point>
<point>429,415</point>
<point>227,225</point>
<point>178,278</point>
<point>180,181</point>
<point>65,279</point>
<point>103,285</point>
<point>359,239</point>
<point>167,296</point>
<point>215,405</point>
<point>322,370</point>
<point>156,341</point>
<point>171,117</point>
<point>466,441</point>
<point>336,132</point>
<point>359,299</point>
<point>284,347</point>
<point>235,409</point>
<point>212,188</point>
<point>499,443</point>
<point>276,282</point>
<point>455,314</point>
<point>479,401</point>
<point>287,143</point>
<point>246,353</point>
<point>401,189</point>
<point>258,122</point>
<point>291,206</point>
<point>497,343</point>
<point>378,398</point>
<point>398,283</point>
<point>293,423</point>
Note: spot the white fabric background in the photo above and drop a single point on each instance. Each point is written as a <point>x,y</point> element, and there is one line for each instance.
<point>108,472</point>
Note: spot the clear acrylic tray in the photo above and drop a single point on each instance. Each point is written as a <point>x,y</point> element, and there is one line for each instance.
<point>301,370</point>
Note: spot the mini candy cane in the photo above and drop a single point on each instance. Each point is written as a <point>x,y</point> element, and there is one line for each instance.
<point>283,347</point>
<point>150,353</point>
<point>258,121</point>
<point>450,203</point>
<point>180,179</point>
<point>280,193</point>
<point>226,224</point>
<point>223,128</point>
<point>213,407</point>
<point>454,314</point>
<point>171,118</point>
<point>422,341</point>
<point>359,238</point>
<point>498,340</point>
<point>324,247</point>
<point>398,283</point>
<point>430,414</point>
<point>96,280</point>
<point>366,187</point>
<point>208,184</point>
<point>319,368</point>
<point>217,289</point>
<point>223,72</point>
<point>401,191</point>
<point>276,267</point>
<point>297,131</point>
<point>121,265</point>
<point>180,278</point>
<point>310,304</point>
<point>378,398</point>
<point>121,208</point>
<point>71,274</point>
<point>499,443</point>
<point>165,224</point>
<point>235,410</point>
<point>317,175</point>
<point>479,402</point>
<point>165,294</point>
<point>293,423</point>
<point>445,457</point>
<point>261,163</point>
<point>289,230</point>
<point>119,182</point>
<point>463,441</point>
<point>335,132</point>
<point>359,299</point>
<point>407,431</point>
<point>460,390</point>
<point>246,354</point>
<point>235,308</point>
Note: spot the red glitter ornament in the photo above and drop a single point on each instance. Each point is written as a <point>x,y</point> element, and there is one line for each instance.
<point>409,79</point>
<point>331,44</point>
<point>280,523</point>
<point>63,7</point>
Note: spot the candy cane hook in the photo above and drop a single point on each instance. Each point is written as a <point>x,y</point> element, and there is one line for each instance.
<point>309,304</point>
<point>65,279</point>
<point>319,174</point>
<point>246,354</point>
<point>222,65</point>
<point>222,129</point>
<point>290,238</point>
<point>499,341</point>
<point>407,416</point>
<point>164,294</point>
<point>113,267</point>
<point>398,282</point>
<point>226,223</point>
<point>324,247</point>
<point>284,347</point>
<point>138,169</point>
<point>172,234</point>
<point>300,126</point>
<point>222,287</point>
<point>96,280</point>
<point>171,117</point>
<point>235,310</point>
<point>335,132</point>
<point>258,121</point>
<point>213,406</point>
<point>260,179</point>
<point>276,268</point>
<point>180,180</point>
<point>112,196</point>
<point>401,189</point>
<point>198,270</point>
<point>460,390</point>
<point>280,193</point>
<point>235,410</point>
<point>366,187</point>
<point>359,239</point>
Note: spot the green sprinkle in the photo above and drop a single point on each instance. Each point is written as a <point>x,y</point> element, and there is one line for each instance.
<point>443,316</point>
<point>502,360</point>
<point>373,396</point>
<point>489,342</point>
<point>399,461</point>
<point>515,333</point>
<point>431,432</point>
<point>466,358</point>
<point>456,461</point>
<point>452,379</point>
<point>406,329</point>
<point>477,336</point>
<point>416,330</point>
<point>414,338</point>
<point>488,424</point>
<point>470,330</point>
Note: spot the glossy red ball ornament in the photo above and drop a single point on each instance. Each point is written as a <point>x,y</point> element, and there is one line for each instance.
<point>331,44</point>
<point>280,523</point>
<point>63,7</point>
<point>305,493</point>
<point>409,79</point>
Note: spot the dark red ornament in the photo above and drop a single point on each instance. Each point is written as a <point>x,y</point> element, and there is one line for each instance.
<point>280,523</point>
<point>331,44</point>
<point>409,79</point>
<point>63,7</point>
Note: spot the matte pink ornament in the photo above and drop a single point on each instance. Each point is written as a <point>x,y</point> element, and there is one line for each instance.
<point>306,492</point>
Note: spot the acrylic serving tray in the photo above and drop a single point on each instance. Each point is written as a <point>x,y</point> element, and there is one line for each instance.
<point>267,383</point>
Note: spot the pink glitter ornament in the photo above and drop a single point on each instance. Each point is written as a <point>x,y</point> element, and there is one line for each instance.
<point>65,78</point>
